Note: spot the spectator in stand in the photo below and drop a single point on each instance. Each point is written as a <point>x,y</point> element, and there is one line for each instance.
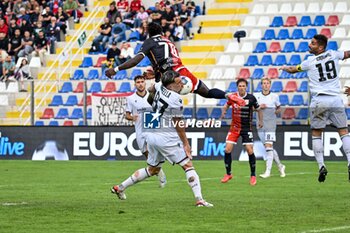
<point>126,52</point>
<point>143,30</point>
<point>164,25</point>
<point>53,33</point>
<point>140,16</point>
<point>25,26</point>
<point>47,14</point>
<point>23,15</point>
<point>3,45</point>
<point>27,45</point>
<point>170,17</point>
<point>8,68</point>
<point>4,4</point>
<point>105,31</point>
<point>135,6</point>
<point>12,28</point>
<point>15,43</point>
<point>191,6</point>
<point>123,7</point>
<point>71,8</point>
<point>30,7</point>
<point>17,6</point>
<point>178,31</point>
<point>34,17</point>
<point>3,27</point>
<point>62,17</point>
<point>23,72</point>
<point>156,15</point>
<point>40,47</point>
<point>118,31</point>
<point>112,56</point>
<point>177,5</point>
<point>54,5</point>
<point>185,17</point>
<point>167,34</point>
<point>39,27</point>
<point>1,62</point>
<point>112,13</point>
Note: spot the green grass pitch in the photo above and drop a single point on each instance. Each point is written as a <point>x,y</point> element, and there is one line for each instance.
<point>74,196</point>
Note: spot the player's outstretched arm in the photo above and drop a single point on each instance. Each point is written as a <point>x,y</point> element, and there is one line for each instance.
<point>224,110</point>
<point>180,129</point>
<point>126,65</point>
<point>291,69</point>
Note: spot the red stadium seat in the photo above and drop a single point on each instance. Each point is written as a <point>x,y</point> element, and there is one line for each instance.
<point>288,114</point>
<point>100,61</point>
<point>274,47</point>
<point>110,87</point>
<point>79,88</point>
<point>291,21</point>
<point>332,20</point>
<point>291,86</point>
<point>244,73</point>
<point>88,101</point>
<point>48,114</point>
<point>327,32</point>
<point>68,123</point>
<point>272,73</point>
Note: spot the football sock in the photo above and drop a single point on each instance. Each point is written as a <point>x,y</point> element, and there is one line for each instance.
<point>228,162</point>
<point>276,158</point>
<point>216,94</point>
<point>161,176</point>
<point>317,147</point>
<point>252,162</point>
<point>269,160</point>
<point>136,177</point>
<point>193,181</point>
<point>346,146</point>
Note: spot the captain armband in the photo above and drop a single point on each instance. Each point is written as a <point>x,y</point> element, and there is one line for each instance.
<point>299,68</point>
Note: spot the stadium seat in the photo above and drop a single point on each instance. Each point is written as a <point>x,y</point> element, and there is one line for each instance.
<point>288,114</point>
<point>269,35</point>
<point>56,100</point>
<point>327,32</point>
<point>252,61</point>
<point>297,100</point>
<point>224,60</point>
<point>302,47</point>
<point>54,123</point>
<point>66,87</point>
<point>310,34</point>
<point>277,21</point>
<point>286,8</point>
<point>339,32</point>
<point>216,73</point>
<point>307,56</point>
<point>216,113</point>
<point>135,72</point>
<point>271,9</point>
<point>103,76</point>
<point>120,75</point>
<point>284,100</point>
<point>258,73</point>
<point>232,87</point>
<point>81,123</point>
<point>303,86</point>
<point>221,102</point>
<point>313,7</point>
<point>280,60</point>
<point>202,114</point>
<point>62,113</point>
<point>247,47</point>
<point>319,20</point>
<point>258,9</point>
<point>238,60</point>
<point>78,74</point>
<point>95,87</point>
<point>88,101</point>
<point>332,20</point>
<point>264,21</point>
<point>134,36</point>
<point>72,100</point>
<point>327,7</point>
<point>48,113</point>
<point>100,61</point>
<point>232,47</point>
<point>276,86</point>
<point>285,75</point>
<point>345,20</point>
<point>93,74</point>
<point>341,7</point>
<point>283,34</point>
<point>275,47</point>
<point>299,8</point>
<point>303,114</point>
<point>294,60</point>
<point>297,34</point>
<point>255,34</point>
<point>305,21</point>
<point>244,73</point>
<point>77,113</point>
<point>249,21</point>
<point>230,73</point>
<point>125,87</point>
<point>258,87</point>
<point>89,114</point>
<point>260,48</point>
<point>137,48</point>
<point>110,87</point>
<point>144,62</point>
<point>266,60</point>
<point>187,113</point>
<point>39,123</point>
<point>300,75</point>
<point>288,47</point>
<point>272,73</point>
<point>87,62</point>
<point>345,44</point>
<point>197,10</point>
<point>79,88</point>
<point>332,45</point>
<point>291,86</point>
<point>68,123</point>
<point>291,21</point>
<point>348,113</point>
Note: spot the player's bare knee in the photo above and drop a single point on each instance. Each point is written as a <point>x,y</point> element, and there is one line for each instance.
<point>153,170</point>
<point>188,166</point>
<point>343,131</point>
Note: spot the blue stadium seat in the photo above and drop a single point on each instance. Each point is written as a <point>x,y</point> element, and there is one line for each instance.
<point>222,102</point>
<point>125,87</point>
<point>285,75</point>
<point>121,74</point>
<point>39,123</point>
<point>280,60</point>
<point>269,35</point>
<point>302,47</point>
<point>319,20</point>
<point>71,101</point>
<point>81,123</point>
<point>78,74</point>
<point>89,114</point>
<point>266,60</point>
<point>103,76</point>
<point>302,114</point>
<point>283,34</point>
<point>56,100</point>
<point>62,113</point>
<point>66,87</point>
<point>187,113</point>
<point>252,61</point>
<point>297,100</point>
<point>260,48</point>
<point>332,45</point>
<point>228,114</point>
<point>232,87</point>
<point>134,36</point>
<point>284,100</point>
<point>303,86</point>
<point>258,88</point>
<point>258,73</point>
<point>300,75</point>
<point>216,113</point>
<point>197,10</point>
<point>77,113</point>
<point>54,123</point>
<point>87,62</point>
<point>305,21</point>
<point>348,113</point>
<point>95,87</point>
<point>297,34</point>
<point>288,47</point>
<point>276,86</point>
<point>277,21</point>
<point>310,33</point>
<point>137,48</point>
<point>135,72</point>
<point>295,123</point>
<point>93,74</point>
<point>294,60</point>
<point>202,113</point>
<point>144,62</point>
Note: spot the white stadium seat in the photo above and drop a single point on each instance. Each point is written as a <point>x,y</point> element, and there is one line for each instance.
<point>2,86</point>
<point>247,47</point>
<point>272,9</point>
<point>345,20</point>
<point>255,34</point>
<point>339,33</point>
<point>4,100</point>
<point>341,7</point>
<point>232,47</point>
<point>264,21</point>
<point>286,8</point>
<point>249,21</point>
<point>258,9</point>
<point>314,7</point>
<point>216,73</point>
<point>299,8</point>
<point>230,73</point>
<point>327,7</point>
<point>238,60</point>
<point>345,45</point>
<point>12,87</point>
<point>224,60</point>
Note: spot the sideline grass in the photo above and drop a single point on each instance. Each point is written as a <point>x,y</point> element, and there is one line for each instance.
<point>74,196</point>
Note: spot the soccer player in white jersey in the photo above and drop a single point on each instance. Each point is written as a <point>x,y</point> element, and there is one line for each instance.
<point>326,103</point>
<point>169,141</point>
<point>270,106</point>
<point>136,104</point>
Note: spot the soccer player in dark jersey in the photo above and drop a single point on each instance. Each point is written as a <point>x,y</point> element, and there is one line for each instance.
<point>241,126</point>
<point>164,56</point>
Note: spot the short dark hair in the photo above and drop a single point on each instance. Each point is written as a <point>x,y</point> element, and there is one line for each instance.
<point>241,80</point>
<point>154,29</point>
<point>169,77</point>
<point>139,77</point>
<point>321,40</point>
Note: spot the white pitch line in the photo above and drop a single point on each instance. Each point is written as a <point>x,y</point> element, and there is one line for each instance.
<point>327,229</point>
<point>14,203</point>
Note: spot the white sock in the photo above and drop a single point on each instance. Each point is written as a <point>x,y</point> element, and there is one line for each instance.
<point>276,158</point>
<point>346,146</point>
<point>136,177</point>
<point>161,176</point>
<point>194,183</point>
<point>269,160</point>
<point>317,147</point>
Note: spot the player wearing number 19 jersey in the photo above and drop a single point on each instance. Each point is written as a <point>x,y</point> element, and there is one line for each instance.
<point>326,104</point>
